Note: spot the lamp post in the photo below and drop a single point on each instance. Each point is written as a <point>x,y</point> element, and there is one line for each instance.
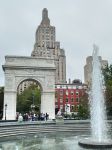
<point>32,106</point>
<point>5,110</point>
<point>33,97</point>
<point>66,109</point>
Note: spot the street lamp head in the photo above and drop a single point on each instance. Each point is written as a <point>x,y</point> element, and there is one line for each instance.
<point>32,106</point>
<point>5,105</point>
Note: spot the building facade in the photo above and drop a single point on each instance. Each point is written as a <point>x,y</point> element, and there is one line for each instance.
<point>67,96</point>
<point>46,46</point>
<point>88,68</point>
<point>24,85</point>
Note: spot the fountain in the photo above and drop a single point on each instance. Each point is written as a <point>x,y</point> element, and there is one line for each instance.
<point>99,129</point>
<point>57,137</point>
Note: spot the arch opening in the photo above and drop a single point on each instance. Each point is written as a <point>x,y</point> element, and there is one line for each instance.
<point>28,98</point>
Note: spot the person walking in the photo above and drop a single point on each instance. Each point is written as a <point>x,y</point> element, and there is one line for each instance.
<point>46,116</point>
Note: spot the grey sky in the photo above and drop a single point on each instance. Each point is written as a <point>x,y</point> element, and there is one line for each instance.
<point>79,24</point>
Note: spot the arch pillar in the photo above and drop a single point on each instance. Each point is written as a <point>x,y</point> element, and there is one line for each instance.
<point>48,104</point>
<point>9,112</point>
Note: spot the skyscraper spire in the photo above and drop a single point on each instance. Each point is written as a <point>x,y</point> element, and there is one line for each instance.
<point>45,19</point>
<point>44,13</point>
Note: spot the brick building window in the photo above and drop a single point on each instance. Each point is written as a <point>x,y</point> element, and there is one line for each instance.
<point>77,93</point>
<point>61,100</point>
<point>61,92</point>
<point>72,92</point>
<point>77,107</point>
<point>77,99</point>
<point>66,92</point>
<point>72,107</point>
<point>72,100</point>
<point>66,100</point>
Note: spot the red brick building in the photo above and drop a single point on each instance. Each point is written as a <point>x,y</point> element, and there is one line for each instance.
<point>68,95</point>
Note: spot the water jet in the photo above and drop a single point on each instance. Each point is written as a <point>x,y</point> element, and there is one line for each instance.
<point>99,126</point>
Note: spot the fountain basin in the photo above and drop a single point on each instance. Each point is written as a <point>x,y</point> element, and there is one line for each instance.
<point>88,143</point>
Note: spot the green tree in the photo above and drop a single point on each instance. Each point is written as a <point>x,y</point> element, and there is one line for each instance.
<point>31,95</point>
<point>83,110</point>
<point>107,72</point>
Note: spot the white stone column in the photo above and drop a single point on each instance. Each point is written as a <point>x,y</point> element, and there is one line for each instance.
<point>48,104</point>
<point>10,100</point>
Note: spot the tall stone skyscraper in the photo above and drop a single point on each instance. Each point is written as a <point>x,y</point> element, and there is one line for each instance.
<point>88,68</point>
<point>46,46</point>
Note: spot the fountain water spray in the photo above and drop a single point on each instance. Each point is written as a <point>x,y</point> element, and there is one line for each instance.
<point>97,102</point>
<point>99,128</point>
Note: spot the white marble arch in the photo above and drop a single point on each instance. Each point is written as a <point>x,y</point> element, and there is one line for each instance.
<point>19,68</point>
